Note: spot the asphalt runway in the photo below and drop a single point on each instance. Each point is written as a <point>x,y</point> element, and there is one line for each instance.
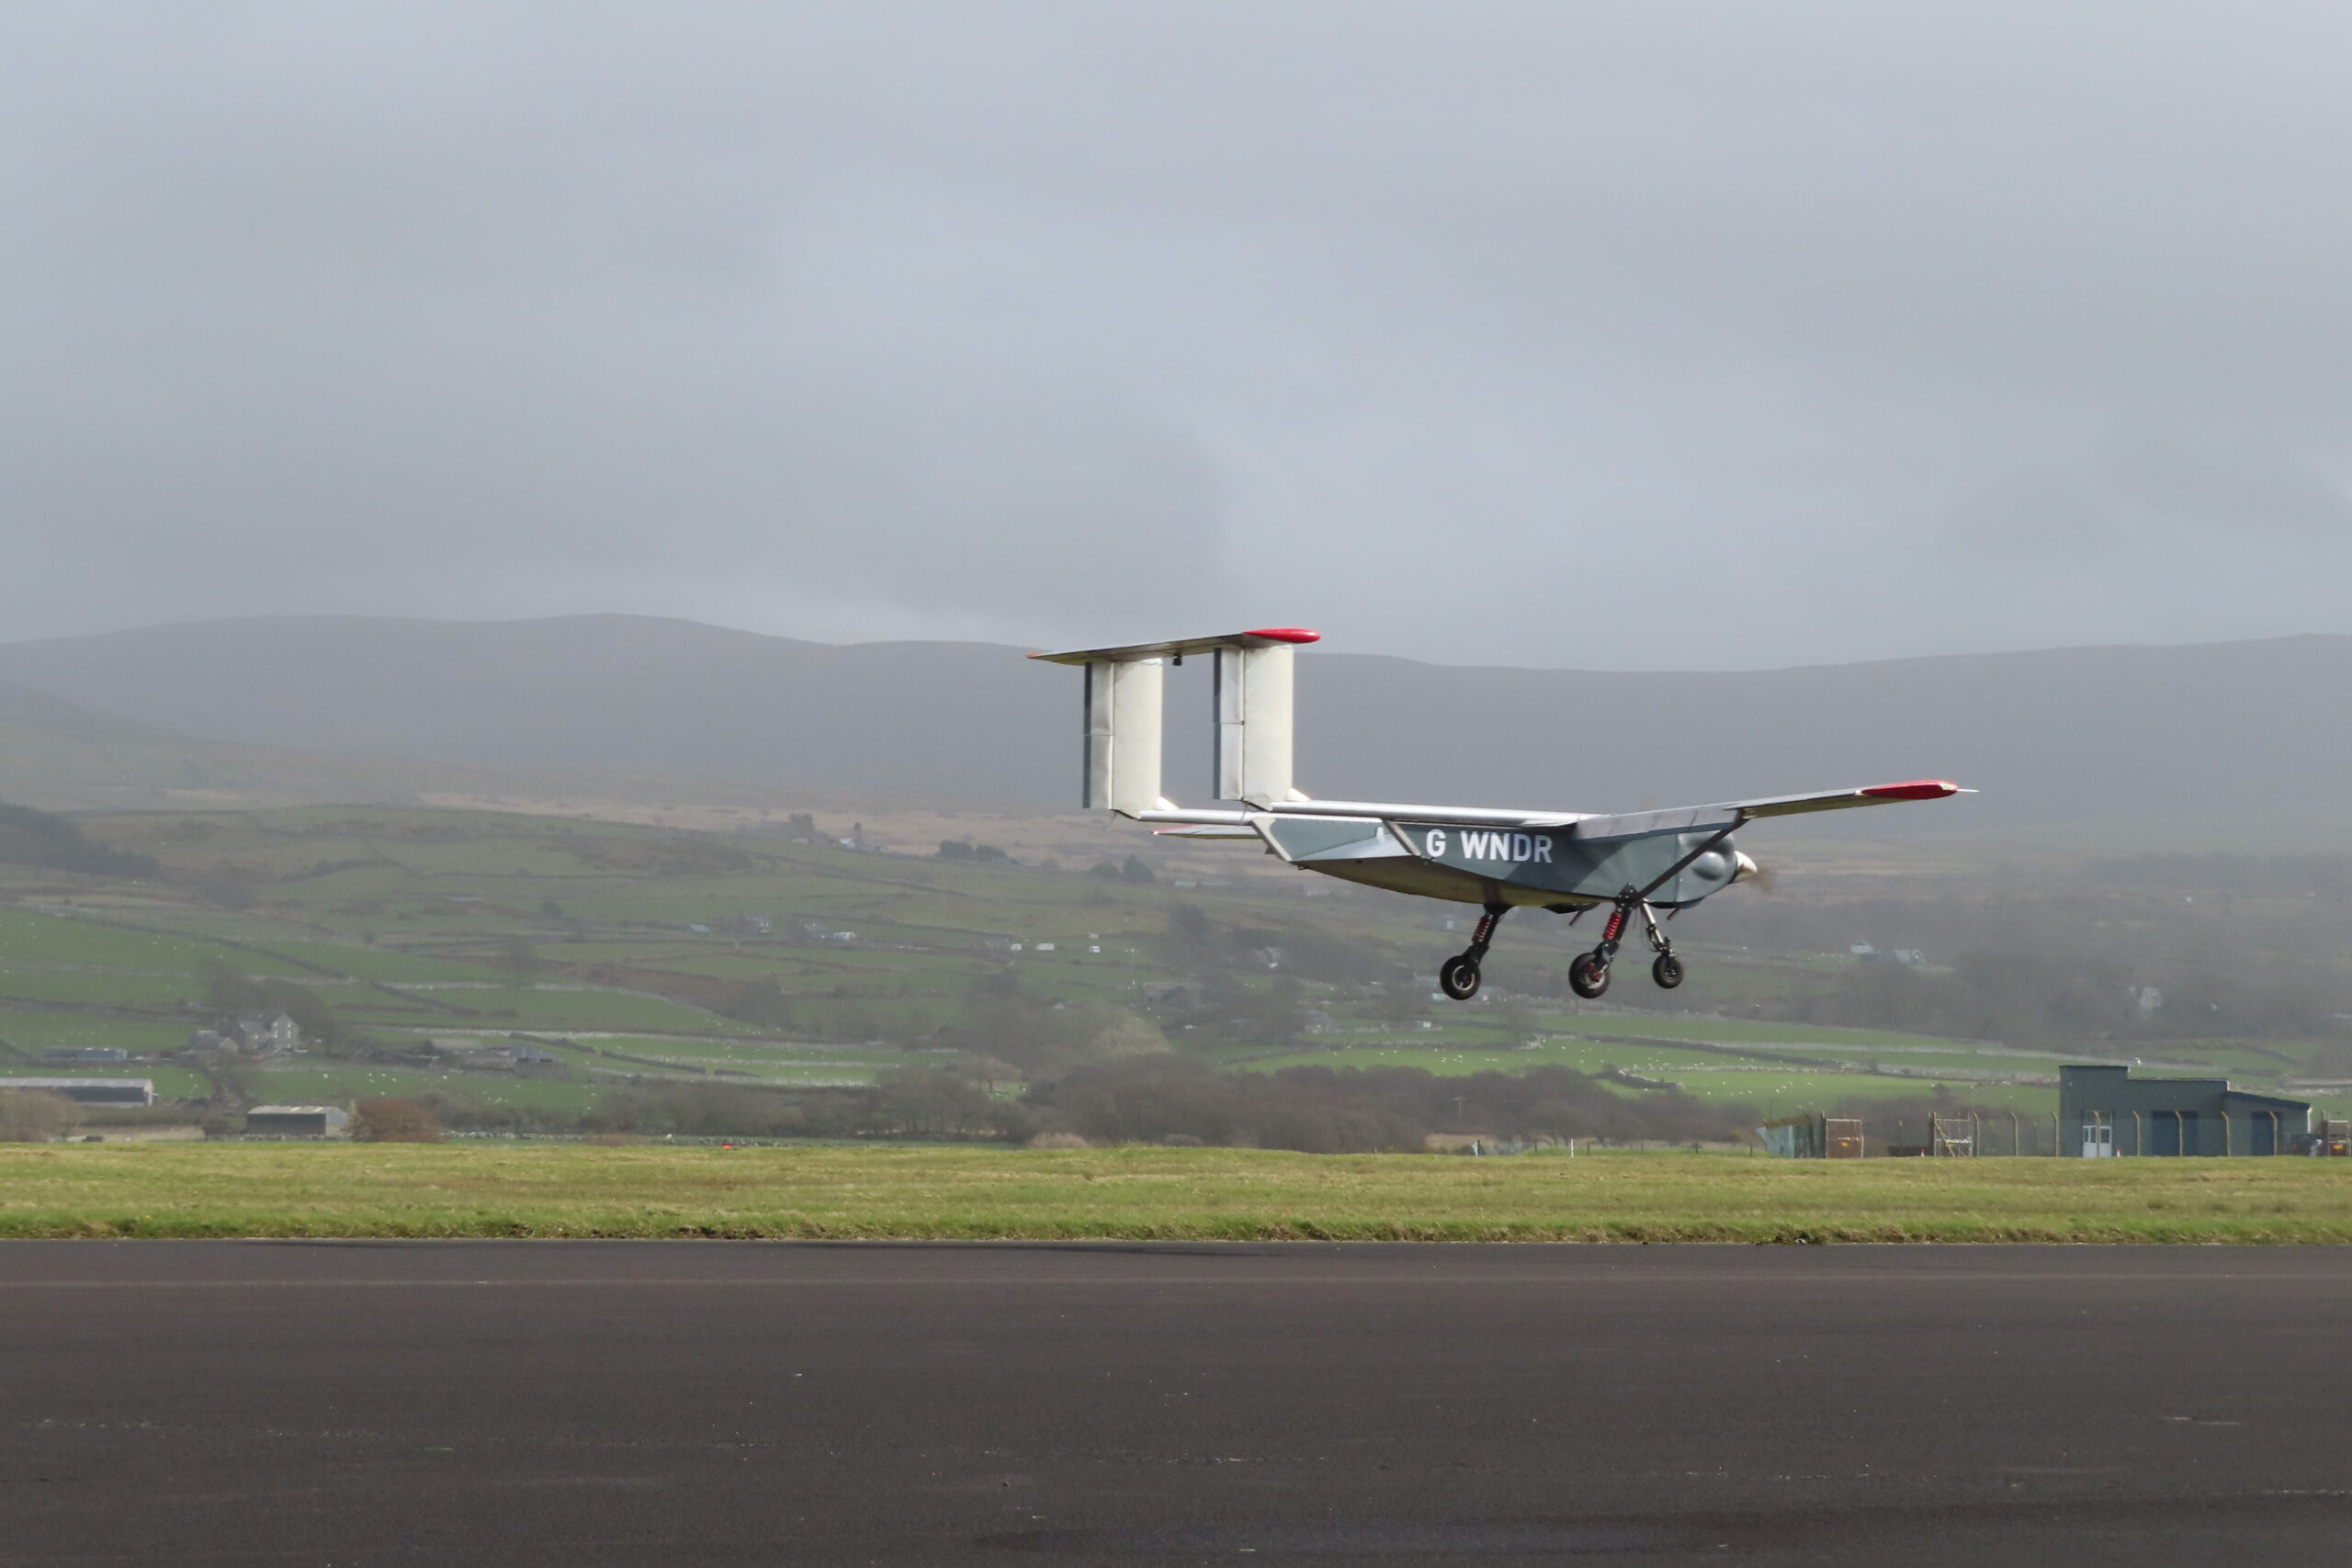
<point>589,1404</point>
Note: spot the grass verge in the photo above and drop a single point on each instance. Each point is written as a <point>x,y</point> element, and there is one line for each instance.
<point>244,1190</point>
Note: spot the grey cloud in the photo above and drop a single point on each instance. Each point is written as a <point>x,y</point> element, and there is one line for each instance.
<point>2255,488</point>
<point>1755,336</point>
<point>2038,517</point>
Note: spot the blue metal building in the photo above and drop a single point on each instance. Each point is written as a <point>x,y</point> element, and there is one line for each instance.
<point>2106,1111</point>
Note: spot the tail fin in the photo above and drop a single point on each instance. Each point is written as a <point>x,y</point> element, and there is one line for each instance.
<point>1253,717</point>
<point>1253,723</point>
<point>1122,733</point>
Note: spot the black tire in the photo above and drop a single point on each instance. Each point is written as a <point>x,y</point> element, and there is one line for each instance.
<point>1666,971</point>
<point>1587,975</point>
<point>1459,978</point>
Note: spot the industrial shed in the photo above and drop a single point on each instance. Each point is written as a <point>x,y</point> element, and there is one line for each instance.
<point>297,1121</point>
<point>2106,1111</point>
<point>92,1091</point>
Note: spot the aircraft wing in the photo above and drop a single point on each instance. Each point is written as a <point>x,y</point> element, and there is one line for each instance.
<point>1844,799</point>
<point>1727,815</point>
<point>1723,814</point>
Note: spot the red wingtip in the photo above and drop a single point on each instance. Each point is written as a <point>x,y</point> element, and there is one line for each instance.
<point>1917,789</point>
<point>1286,634</point>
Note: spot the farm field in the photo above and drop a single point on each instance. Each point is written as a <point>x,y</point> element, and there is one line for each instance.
<point>27,938</point>
<point>540,1007</point>
<point>973,1194</point>
<point>756,959</point>
<point>767,1061</point>
<point>337,1084</point>
<point>30,1034</point>
<point>1743,1031</point>
<point>171,1082</point>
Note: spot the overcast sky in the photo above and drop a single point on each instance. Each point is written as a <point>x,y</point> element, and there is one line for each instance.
<point>1632,335</point>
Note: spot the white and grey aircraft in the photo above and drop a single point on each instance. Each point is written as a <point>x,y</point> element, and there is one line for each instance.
<point>1637,863</point>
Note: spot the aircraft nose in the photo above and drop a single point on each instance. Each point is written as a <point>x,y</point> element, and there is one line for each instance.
<point>1747,867</point>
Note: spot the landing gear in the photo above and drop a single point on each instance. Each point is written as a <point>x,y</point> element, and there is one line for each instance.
<point>1589,975</point>
<point>1459,976</point>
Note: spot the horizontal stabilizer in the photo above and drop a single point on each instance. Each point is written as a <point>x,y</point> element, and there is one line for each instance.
<point>1266,636</point>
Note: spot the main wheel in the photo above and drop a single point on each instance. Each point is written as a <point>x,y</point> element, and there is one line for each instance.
<point>1587,975</point>
<point>1458,978</point>
<point>1666,971</point>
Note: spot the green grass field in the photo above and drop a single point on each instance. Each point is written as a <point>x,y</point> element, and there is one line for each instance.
<point>342,1083</point>
<point>27,938</point>
<point>242,1190</point>
<point>33,1033</point>
<point>103,989</point>
<point>548,1006</point>
<point>426,900</point>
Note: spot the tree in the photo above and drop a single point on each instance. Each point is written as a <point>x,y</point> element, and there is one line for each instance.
<point>1042,1038</point>
<point>40,838</point>
<point>228,994</point>
<point>226,888</point>
<point>36,1116</point>
<point>918,1101</point>
<point>518,958</point>
<point>1278,1014</point>
<point>1192,936</point>
<point>1517,1021</point>
<point>395,1122</point>
<point>760,1002</point>
<point>1404,1002</point>
<point>1135,871</point>
<point>234,1085</point>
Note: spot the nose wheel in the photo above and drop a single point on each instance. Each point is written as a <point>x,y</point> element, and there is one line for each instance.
<point>1458,977</point>
<point>1588,972</point>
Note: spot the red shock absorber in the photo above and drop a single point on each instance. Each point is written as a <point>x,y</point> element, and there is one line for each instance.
<point>1616,927</point>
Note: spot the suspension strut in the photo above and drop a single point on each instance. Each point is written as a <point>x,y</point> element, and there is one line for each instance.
<point>1483,932</point>
<point>1619,914</point>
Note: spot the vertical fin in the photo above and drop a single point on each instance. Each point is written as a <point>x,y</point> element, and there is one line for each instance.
<point>1122,735</point>
<point>1253,723</point>
<point>1123,687</point>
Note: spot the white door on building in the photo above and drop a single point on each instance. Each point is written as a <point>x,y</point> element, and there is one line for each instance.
<point>2099,1140</point>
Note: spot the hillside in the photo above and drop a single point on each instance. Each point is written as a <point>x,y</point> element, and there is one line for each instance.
<point>643,959</point>
<point>57,754</point>
<point>603,694</point>
<point>2220,743</point>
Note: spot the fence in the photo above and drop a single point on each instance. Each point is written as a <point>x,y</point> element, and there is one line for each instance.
<point>2013,1133</point>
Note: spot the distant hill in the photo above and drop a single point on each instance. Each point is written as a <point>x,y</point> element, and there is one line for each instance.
<point>603,694</point>
<point>2228,742</point>
<point>59,755</point>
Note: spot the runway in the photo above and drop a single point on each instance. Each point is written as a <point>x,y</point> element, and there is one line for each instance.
<point>590,1404</point>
